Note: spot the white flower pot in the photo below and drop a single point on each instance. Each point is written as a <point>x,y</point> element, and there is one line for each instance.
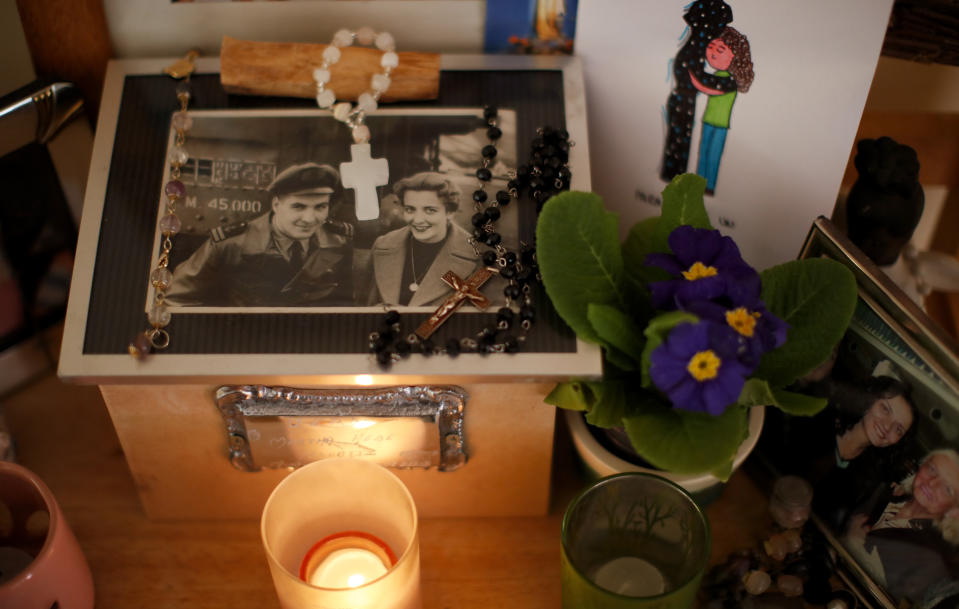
<point>600,462</point>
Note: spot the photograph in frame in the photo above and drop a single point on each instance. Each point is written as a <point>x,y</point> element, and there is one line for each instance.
<point>883,455</point>
<point>238,146</point>
<point>226,259</point>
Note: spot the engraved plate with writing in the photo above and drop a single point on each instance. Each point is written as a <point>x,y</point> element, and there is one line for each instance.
<point>400,427</point>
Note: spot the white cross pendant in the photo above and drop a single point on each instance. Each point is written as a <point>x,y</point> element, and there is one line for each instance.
<point>363,174</point>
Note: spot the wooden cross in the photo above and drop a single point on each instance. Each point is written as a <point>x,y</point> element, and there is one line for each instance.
<point>464,290</point>
<point>363,174</point>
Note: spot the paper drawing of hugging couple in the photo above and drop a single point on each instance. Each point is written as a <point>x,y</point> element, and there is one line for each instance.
<point>715,60</point>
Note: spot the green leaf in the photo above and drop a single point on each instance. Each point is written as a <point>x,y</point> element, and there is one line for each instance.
<point>798,404</point>
<point>816,297</point>
<point>577,246</point>
<point>572,395</point>
<point>682,204</point>
<point>611,407</point>
<point>756,392</point>
<point>616,329</point>
<point>619,359</point>
<point>724,471</point>
<point>656,332</point>
<point>639,243</point>
<point>685,442</point>
<point>637,275</point>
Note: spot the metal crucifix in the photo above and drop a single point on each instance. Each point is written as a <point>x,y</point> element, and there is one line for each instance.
<point>464,290</point>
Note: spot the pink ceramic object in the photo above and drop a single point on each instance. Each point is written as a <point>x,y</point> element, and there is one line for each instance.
<point>59,572</point>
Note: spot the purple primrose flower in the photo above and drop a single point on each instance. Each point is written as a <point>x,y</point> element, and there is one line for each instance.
<point>707,266</point>
<point>756,329</point>
<point>696,366</point>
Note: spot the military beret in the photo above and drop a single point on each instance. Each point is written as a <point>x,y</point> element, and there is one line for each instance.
<point>304,178</point>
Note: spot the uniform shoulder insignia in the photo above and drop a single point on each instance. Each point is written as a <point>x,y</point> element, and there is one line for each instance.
<point>220,233</point>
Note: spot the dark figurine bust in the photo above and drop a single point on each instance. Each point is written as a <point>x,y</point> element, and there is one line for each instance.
<point>886,202</point>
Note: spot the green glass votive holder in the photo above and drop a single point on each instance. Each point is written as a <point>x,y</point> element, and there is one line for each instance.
<point>633,540</point>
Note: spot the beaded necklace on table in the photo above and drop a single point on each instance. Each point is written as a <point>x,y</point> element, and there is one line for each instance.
<point>546,173</point>
<point>156,336</point>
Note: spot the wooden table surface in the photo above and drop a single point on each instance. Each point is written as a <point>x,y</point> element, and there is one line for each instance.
<point>64,434</point>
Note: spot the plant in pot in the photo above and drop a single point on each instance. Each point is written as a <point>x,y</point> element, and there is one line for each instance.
<point>692,336</point>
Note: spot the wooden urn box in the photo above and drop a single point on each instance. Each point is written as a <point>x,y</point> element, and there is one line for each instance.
<point>246,392</point>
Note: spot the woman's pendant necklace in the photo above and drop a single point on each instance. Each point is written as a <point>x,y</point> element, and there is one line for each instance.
<point>414,285</point>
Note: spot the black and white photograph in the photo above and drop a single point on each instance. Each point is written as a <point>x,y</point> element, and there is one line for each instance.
<point>882,458</point>
<point>269,223</point>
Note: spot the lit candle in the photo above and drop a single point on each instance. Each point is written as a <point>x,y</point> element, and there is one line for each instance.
<point>630,576</point>
<point>373,562</point>
<point>346,560</point>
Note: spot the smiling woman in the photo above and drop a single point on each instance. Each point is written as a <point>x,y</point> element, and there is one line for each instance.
<point>427,215</point>
<point>906,535</point>
<point>409,262</point>
<point>888,415</point>
<point>862,440</point>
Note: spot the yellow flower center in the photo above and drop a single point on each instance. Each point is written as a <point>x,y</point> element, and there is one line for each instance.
<point>742,321</point>
<point>704,365</point>
<point>699,271</point>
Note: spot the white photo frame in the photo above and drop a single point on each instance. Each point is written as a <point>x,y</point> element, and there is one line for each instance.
<point>109,290</point>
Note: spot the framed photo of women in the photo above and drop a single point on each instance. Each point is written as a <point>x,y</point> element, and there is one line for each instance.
<point>883,456</point>
<point>287,254</point>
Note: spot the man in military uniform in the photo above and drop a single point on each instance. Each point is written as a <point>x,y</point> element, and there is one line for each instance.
<point>295,255</point>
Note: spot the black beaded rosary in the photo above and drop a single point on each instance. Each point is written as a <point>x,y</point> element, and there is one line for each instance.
<point>545,174</point>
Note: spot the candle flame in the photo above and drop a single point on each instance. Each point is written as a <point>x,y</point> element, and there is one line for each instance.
<point>356,580</point>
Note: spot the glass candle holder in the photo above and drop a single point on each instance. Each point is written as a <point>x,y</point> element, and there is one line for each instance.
<point>633,540</point>
<point>790,501</point>
<point>342,534</point>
